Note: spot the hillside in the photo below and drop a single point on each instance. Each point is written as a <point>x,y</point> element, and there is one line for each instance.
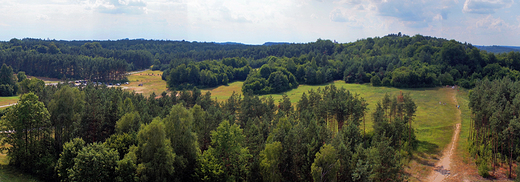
<point>378,109</point>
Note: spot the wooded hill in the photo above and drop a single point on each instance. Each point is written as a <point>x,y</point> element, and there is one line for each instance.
<point>393,60</point>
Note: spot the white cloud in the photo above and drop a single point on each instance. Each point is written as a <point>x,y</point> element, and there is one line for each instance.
<point>485,6</point>
<point>338,16</point>
<point>343,15</point>
<point>493,24</point>
<point>410,13</point>
<point>42,17</point>
<point>116,6</point>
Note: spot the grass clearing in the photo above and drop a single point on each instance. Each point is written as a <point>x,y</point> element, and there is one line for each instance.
<point>151,80</point>
<point>9,100</point>
<point>463,147</point>
<point>434,123</point>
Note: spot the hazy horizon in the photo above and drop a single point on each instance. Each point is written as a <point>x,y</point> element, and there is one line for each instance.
<point>479,22</point>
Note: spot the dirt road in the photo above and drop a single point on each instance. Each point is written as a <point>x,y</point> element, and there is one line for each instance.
<point>443,166</point>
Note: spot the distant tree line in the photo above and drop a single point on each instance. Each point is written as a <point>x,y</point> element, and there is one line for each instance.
<point>95,133</point>
<point>393,60</point>
<point>397,61</point>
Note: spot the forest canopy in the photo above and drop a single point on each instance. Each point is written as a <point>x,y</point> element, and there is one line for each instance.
<point>393,60</point>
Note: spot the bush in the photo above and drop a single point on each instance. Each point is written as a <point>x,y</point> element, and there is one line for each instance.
<point>483,169</point>
<point>376,81</point>
<point>387,81</point>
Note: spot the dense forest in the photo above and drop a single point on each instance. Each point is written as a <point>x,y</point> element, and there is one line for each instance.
<point>495,127</point>
<point>393,60</point>
<point>95,133</point>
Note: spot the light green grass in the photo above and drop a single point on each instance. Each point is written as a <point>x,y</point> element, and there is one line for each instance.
<point>151,80</point>
<point>434,122</point>
<point>463,143</point>
<point>9,100</point>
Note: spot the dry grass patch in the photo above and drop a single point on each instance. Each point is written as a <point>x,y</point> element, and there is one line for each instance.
<point>151,80</point>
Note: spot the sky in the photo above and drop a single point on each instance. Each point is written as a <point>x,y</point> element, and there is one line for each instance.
<point>479,22</point>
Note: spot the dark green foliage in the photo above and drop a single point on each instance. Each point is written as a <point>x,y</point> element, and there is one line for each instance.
<point>154,153</point>
<point>495,127</point>
<point>185,143</point>
<point>483,169</point>
<point>21,76</point>
<point>67,156</point>
<point>269,80</point>
<point>271,157</point>
<point>179,131</point>
<point>94,162</point>
<point>226,158</point>
<point>32,85</point>
<point>8,85</point>
<point>376,81</point>
<point>29,136</point>
<point>121,142</point>
<point>65,109</point>
<point>326,164</point>
<point>127,167</point>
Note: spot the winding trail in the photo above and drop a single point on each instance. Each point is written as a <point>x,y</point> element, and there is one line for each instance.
<point>9,105</point>
<point>443,166</point>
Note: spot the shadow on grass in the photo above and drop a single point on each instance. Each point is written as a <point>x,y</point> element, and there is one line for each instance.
<point>426,151</point>
<point>427,147</point>
<point>9,173</point>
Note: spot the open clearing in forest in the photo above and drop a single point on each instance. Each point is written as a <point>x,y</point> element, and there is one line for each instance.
<point>434,122</point>
<point>151,80</point>
<point>9,100</point>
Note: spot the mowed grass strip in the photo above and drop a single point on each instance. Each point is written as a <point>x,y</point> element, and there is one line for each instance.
<point>9,100</point>
<point>151,80</point>
<point>434,122</point>
<point>463,145</point>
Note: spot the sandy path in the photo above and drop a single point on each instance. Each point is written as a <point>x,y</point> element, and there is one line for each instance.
<point>9,105</point>
<point>443,167</point>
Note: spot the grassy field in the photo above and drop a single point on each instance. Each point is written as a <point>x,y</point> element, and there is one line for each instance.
<point>433,120</point>
<point>463,144</point>
<point>9,100</point>
<point>151,81</point>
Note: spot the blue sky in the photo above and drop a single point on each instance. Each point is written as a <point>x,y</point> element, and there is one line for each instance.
<point>480,22</point>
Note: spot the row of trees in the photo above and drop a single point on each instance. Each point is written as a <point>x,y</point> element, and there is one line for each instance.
<point>95,133</point>
<point>398,61</point>
<point>495,126</point>
<point>205,74</point>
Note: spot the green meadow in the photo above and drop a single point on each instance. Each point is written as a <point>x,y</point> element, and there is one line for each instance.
<point>434,122</point>
<point>9,100</point>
